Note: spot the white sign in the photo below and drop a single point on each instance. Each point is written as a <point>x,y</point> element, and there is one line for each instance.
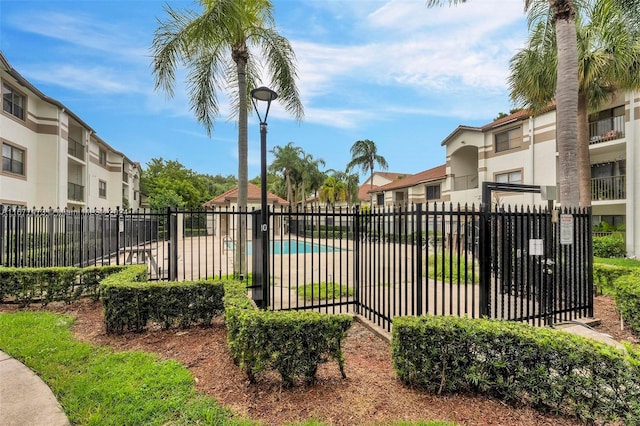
<point>536,247</point>
<point>566,229</point>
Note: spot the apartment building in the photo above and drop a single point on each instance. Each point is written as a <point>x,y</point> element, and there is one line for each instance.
<point>521,148</point>
<point>422,187</point>
<point>52,158</point>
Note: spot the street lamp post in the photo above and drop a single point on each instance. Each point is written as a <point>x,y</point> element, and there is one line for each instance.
<point>267,95</point>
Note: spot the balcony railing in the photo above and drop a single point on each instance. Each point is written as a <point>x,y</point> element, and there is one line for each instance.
<point>75,192</point>
<point>460,183</point>
<point>125,176</point>
<point>607,129</point>
<point>609,188</point>
<point>76,149</point>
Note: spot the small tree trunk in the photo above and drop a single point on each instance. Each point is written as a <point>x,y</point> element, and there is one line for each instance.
<point>567,110</point>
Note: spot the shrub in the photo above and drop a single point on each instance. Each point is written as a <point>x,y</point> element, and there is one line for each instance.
<point>609,246</point>
<point>627,295</point>
<point>129,301</point>
<point>547,369</point>
<point>292,343</point>
<point>604,277</point>
<point>27,285</point>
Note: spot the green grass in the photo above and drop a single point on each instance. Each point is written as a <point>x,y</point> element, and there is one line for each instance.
<point>456,272</point>
<point>618,261</point>
<point>96,386</point>
<point>323,291</point>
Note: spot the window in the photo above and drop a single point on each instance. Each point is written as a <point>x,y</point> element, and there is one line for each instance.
<point>12,102</point>
<point>510,177</point>
<point>102,157</point>
<point>380,199</point>
<point>12,159</point>
<point>102,189</point>
<point>433,192</point>
<point>509,139</point>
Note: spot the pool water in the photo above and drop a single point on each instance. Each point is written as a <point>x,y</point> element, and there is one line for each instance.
<point>292,247</point>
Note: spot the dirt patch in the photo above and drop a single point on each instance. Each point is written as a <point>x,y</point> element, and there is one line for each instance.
<point>371,394</point>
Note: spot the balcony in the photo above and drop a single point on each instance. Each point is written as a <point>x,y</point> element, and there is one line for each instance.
<point>461,183</point>
<point>607,129</point>
<point>609,188</point>
<point>76,149</point>
<point>125,176</point>
<point>75,192</point>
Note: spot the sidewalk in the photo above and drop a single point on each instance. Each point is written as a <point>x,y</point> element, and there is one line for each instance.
<point>25,400</point>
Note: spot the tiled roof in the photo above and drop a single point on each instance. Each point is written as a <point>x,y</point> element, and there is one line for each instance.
<point>364,191</point>
<point>518,115</point>
<point>436,173</point>
<point>460,129</point>
<point>253,195</point>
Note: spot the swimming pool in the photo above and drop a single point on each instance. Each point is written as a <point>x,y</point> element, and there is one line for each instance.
<point>292,247</point>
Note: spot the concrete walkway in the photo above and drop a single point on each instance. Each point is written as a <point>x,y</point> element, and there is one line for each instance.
<point>25,400</point>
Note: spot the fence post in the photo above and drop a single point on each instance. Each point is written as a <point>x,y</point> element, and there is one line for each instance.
<point>2,231</point>
<point>485,258</point>
<point>172,242</point>
<point>419,244</point>
<point>356,260</point>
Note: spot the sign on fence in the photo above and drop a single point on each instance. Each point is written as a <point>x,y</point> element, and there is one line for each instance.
<point>566,229</point>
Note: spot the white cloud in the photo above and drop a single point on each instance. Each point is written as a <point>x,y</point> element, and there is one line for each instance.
<point>95,79</point>
<point>118,41</point>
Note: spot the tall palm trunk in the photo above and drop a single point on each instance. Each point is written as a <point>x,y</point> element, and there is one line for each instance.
<point>584,162</point>
<point>240,56</point>
<point>567,101</point>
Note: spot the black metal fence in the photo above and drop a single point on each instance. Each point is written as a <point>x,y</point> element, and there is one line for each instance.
<point>439,259</point>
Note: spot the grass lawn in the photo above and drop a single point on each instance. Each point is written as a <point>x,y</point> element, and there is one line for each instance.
<point>454,268</point>
<point>323,291</point>
<point>618,261</point>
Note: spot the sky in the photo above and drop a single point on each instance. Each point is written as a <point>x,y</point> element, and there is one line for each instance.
<point>395,72</point>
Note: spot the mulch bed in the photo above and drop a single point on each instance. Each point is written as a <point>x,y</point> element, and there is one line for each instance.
<point>371,394</point>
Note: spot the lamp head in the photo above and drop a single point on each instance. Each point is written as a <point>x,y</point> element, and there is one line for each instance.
<point>263,94</point>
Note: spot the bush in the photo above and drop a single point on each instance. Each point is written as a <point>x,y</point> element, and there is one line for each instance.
<point>627,295</point>
<point>129,301</point>
<point>604,277</point>
<point>293,343</point>
<point>609,246</point>
<point>547,369</point>
<point>27,285</point>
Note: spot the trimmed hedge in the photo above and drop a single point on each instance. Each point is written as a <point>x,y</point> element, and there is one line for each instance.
<point>292,343</point>
<point>129,301</point>
<point>605,275</point>
<point>28,285</point>
<point>627,296</point>
<point>547,369</point>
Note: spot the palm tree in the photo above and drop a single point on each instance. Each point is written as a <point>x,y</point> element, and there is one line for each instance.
<point>309,176</point>
<point>285,160</point>
<point>364,155</point>
<point>563,19</point>
<point>216,47</point>
<point>608,52</point>
<point>333,190</point>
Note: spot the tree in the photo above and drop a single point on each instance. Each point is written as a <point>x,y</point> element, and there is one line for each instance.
<point>364,155</point>
<point>333,190</point>
<point>609,57</point>
<point>310,176</point>
<point>286,159</point>
<point>216,47</point>
<point>563,18</point>
<point>169,183</point>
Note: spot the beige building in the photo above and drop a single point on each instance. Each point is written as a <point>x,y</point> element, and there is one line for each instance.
<point>521,148</point>
<point>52,158</point>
